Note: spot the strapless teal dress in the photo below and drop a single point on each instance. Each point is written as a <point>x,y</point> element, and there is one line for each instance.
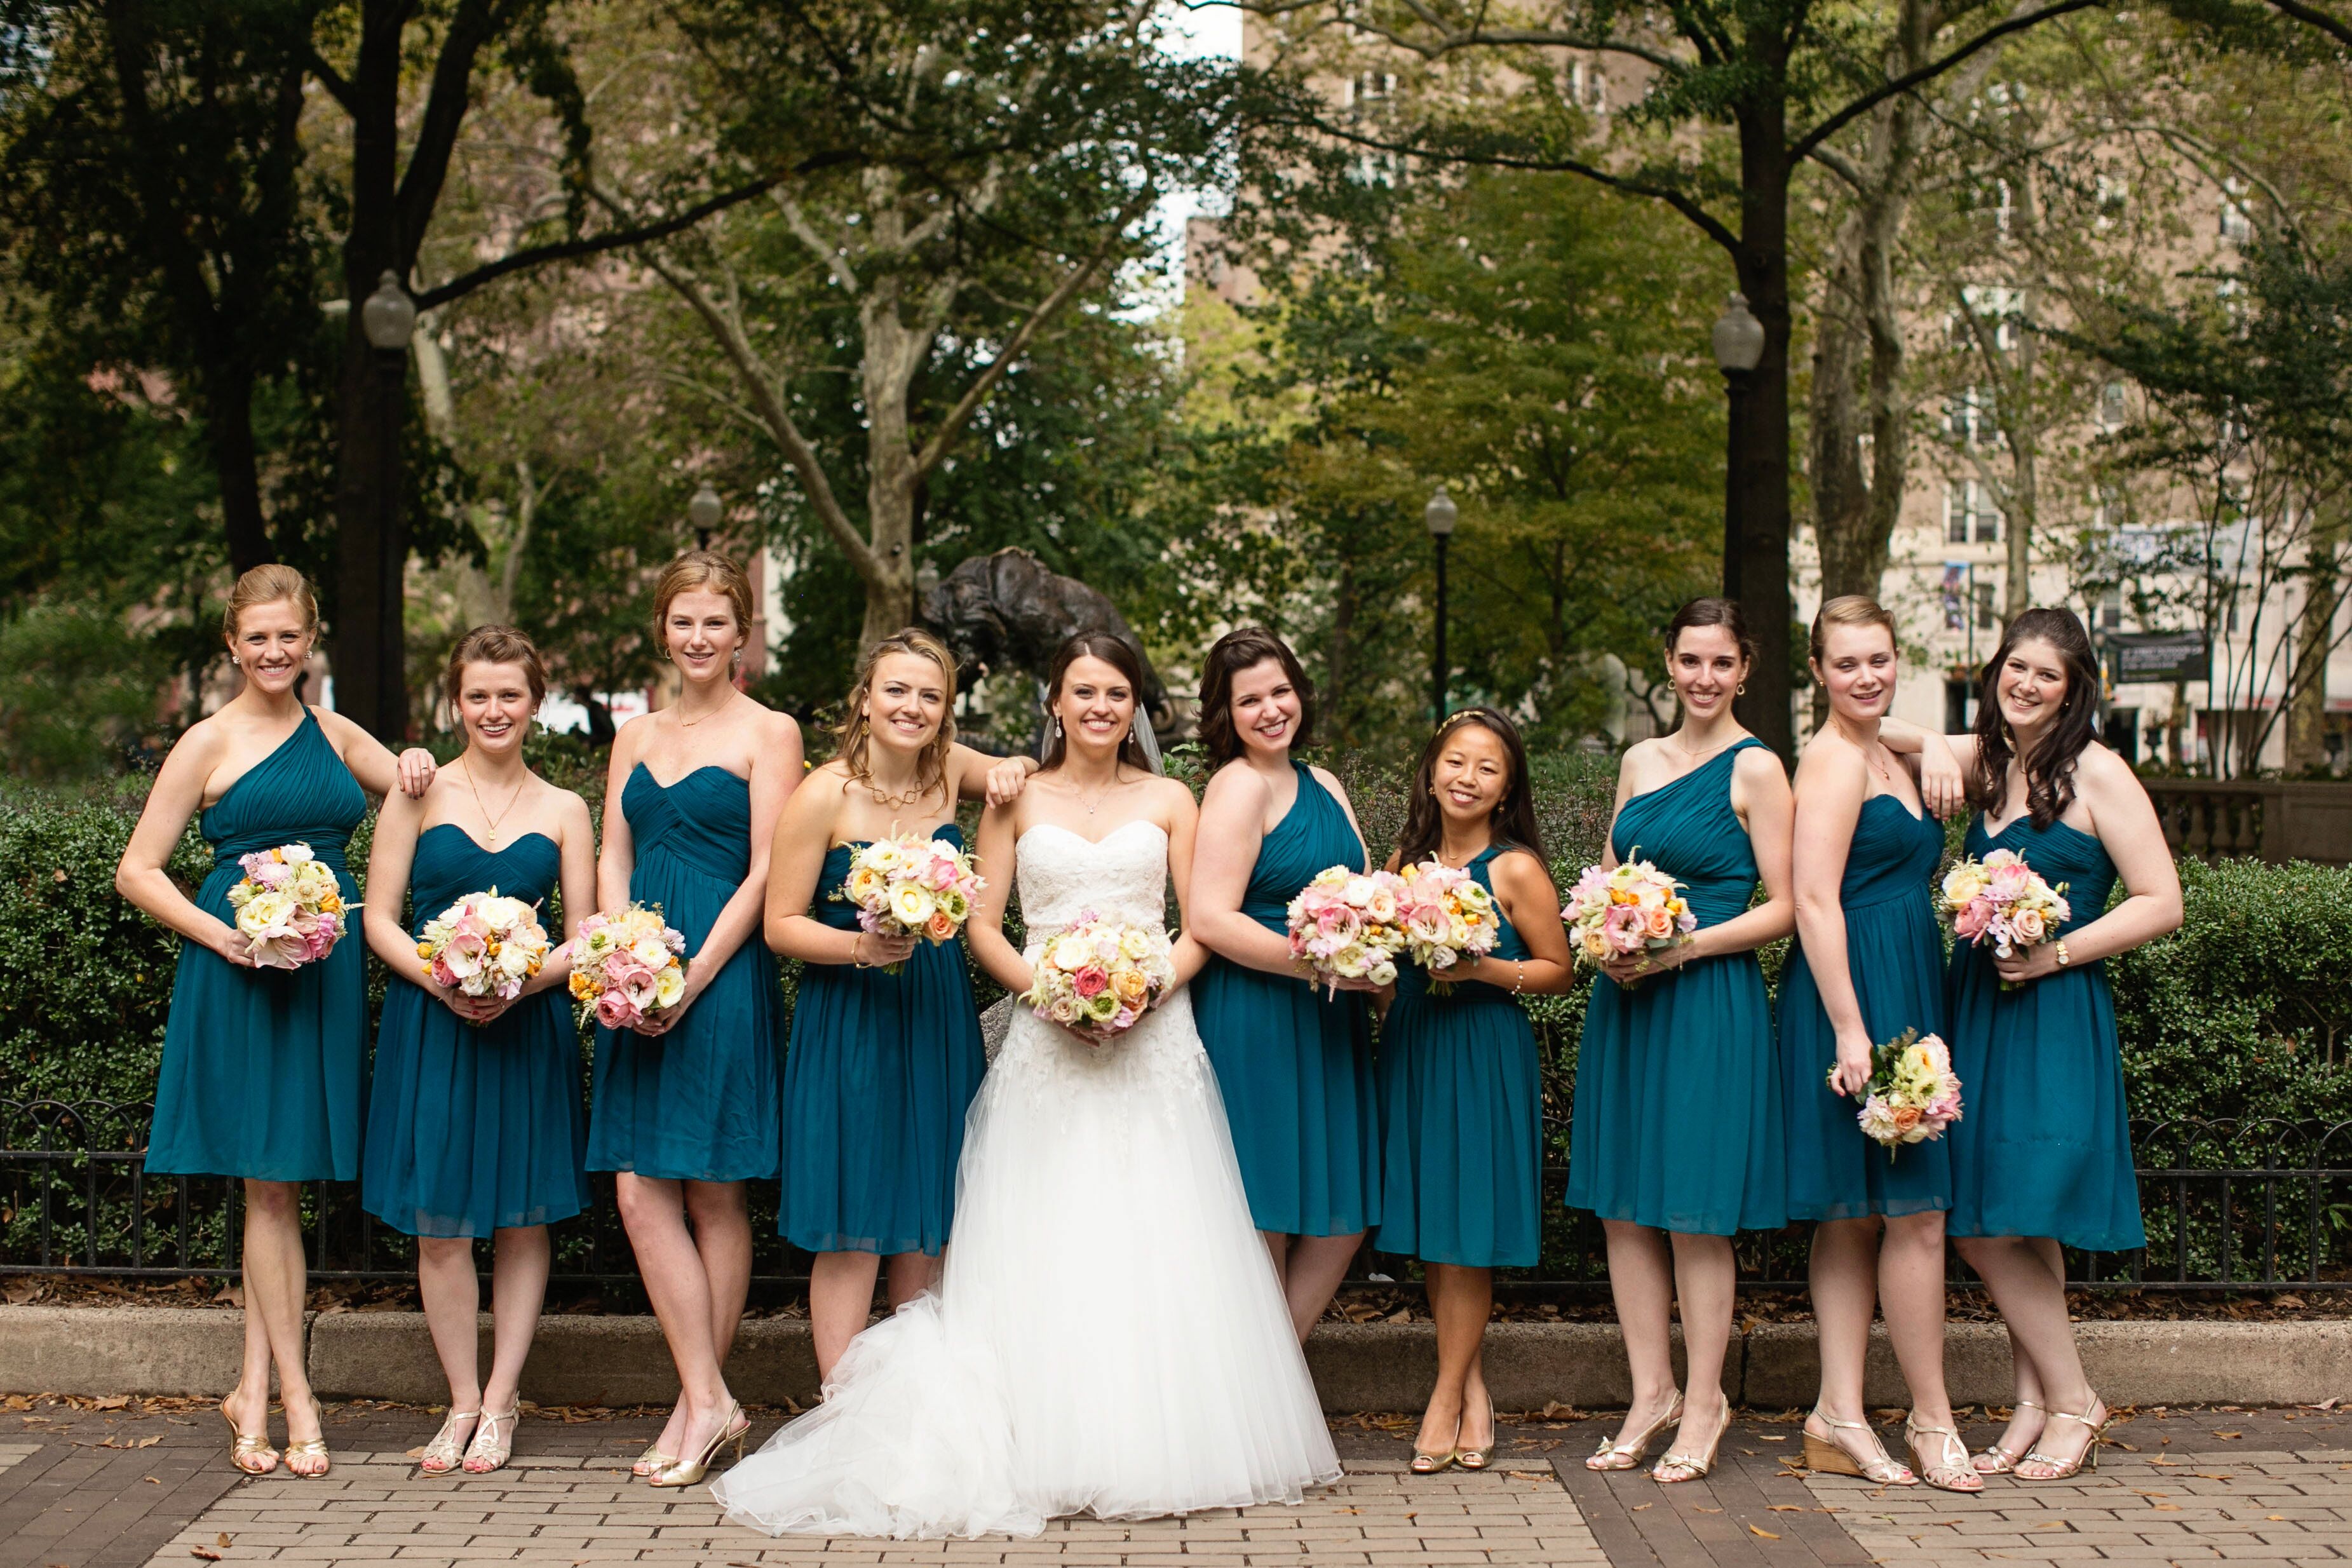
<point>881,1070</point>
<point>472,1129</point>
<point>700,1102</point>
<point>1678,1121</point>
<point>264,1070</point>
<point>1461,1117</point>
<point>1895,955</point>
<point>2043,1144</point>
<point>1294,1066</point>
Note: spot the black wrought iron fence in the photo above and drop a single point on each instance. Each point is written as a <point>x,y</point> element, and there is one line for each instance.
<point>2228,1206</point>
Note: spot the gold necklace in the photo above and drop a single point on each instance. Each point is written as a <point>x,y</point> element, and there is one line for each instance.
<point>1698,756</point>
<point>685,723</point>
<point>884,798</point>
<point>478,805</point>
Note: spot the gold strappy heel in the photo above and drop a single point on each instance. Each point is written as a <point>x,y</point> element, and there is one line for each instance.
<point>1824,1456</point>
<point>488,1451</point>
<point>2001,1459</point>
<point>686,1472</point>
<point>442,1455</point>
<point>252,1456</point>
<point>1941,1474</point>
<point>1627,1453</point>
<point>1694,1465</point>
<point>2067,1469</point>
<point>311,1447</point>
<point>1478,1459</point>
<point>652,1460</point>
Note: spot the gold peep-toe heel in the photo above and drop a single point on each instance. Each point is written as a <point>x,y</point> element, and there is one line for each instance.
<point>311,1447</point>
<point>1478,1459</point>
<point>1692,1466</point>
<point>442,1455</point>
<point>1826,1456</point>
<point>652,1460</point>
<point>2067,1469</point>
<point>686,1472</point>
<point>252,1456</point>
<point>2001,1459</point>
<point>1626,1453</point>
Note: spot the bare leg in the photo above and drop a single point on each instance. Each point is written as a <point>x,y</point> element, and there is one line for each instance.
<point>275,1284</point>
<point>1461,1299</point>
<point>684,1300</point>
<point>1705,1278</point>
<point>911,1274</point>
<point>722,1238</point>
<point>1277,1251</point>
<point>453,1304</point>
<point>1844,1280</point>
<point>1911,1283</point>
<point>1641,1283</point>
<point>1317,1264</point>
<point>2025,1277</point>
<point>522,1258</point>
<point>840,1296</point>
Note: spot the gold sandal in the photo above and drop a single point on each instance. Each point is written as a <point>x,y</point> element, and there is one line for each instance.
<point>1478,1459</point>
<point>1827,1456</point>
<point>487,1452</point>
<point>1627,1453</point>
<point>441,1455</point>
<point>686,1472</point>
<point>652,1460</point>
<point>1696,1465</point>
<point>2067,1469</point>
<point>1999,1460</point>
<point>311,1447</point>
<point>252,1455</point>
<point>1941,1474</point>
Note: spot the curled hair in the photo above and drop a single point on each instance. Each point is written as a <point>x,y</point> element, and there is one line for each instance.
<point>271,584</point>
<point>1849,610</point>
<point>494,645</point>
<point>2049,767</point>
<point>1713,611</point>
<point>1515,814</point>
<point>858,732</point>
<point>1239,650</point>
<point>702,569</point>
<point>1121,655</point>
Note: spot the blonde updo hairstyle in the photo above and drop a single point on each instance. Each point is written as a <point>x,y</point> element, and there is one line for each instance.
<point>493,645</point>
<point>1849,610</point>
<point>701,569</point>
<point>270,584</point>
<point>856,740</point>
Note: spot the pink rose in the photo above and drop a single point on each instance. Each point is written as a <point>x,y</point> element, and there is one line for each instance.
<point>1970,922</point>
<point>1657,924</point>
<point>1090,981</point>
<point>615,1011</point>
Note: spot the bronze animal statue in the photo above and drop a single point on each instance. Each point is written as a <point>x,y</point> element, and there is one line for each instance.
<point>1009,611</point>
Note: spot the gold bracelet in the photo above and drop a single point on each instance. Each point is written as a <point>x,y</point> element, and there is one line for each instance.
<point>1519,983</point>
<point>856,962</point>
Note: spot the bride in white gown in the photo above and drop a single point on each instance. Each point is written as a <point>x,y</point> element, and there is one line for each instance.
<point>1107,1337</point>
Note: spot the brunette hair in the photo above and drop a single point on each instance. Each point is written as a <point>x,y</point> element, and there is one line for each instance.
<point>1849,610</point>
<point>1237,650</point>
<point>858,735</point>
<point>1515,814</point>
<point>494,645</point>
<point>2049,767</point>
<point>701,569</point>
<point>1121,655</point>
<point>270,583</point>
<point>1713,611</point>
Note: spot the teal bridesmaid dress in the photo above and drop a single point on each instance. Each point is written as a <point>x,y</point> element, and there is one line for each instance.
<point>1678,1121</point>
<point>1462,1118</point>
<point>264,1070</point>
<point>1896,954</point>
<point>2043,1147</point>
<point>1295,1065</point>
<point>472,1129</point>
<point>881,1069</point>
<point>699,1103</point>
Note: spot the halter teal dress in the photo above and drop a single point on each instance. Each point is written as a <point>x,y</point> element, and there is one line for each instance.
<point>1896,954</point>
<point>1295,1065</point>
<point>700,1102</point>
<point>475,1129</point>
<point>265,1070</point>
<point>1677,1115</point>
<point>2044,1147</point>
<point>881,1070</point>
<point>1462,1118</point>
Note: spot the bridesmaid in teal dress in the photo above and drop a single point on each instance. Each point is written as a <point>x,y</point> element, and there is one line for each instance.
<point>1867,967</point>
<point>262,1069</point>
<point>685,1107</point>
<point>1675,1138</point>
<point>2042,1160</point>
<point>1461,1095</point>
<point>1294,1060</point>
<point>473,1126</point>
<point>882,1066</point>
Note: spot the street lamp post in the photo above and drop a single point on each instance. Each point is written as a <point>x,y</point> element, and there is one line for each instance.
<point>1738,348</point>
<point>704,511</point>
<point>1440,515</point>
<point>387,316</point>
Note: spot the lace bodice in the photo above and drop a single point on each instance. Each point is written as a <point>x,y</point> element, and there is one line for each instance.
<point>1123,878</point>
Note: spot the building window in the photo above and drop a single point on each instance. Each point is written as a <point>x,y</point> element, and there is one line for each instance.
<point>2237,226</point>
<point>1970,515</point>
<point>2112,410</point>
<point>1368,92</point>
<point>1588,86</point>
<point>2111,610</point>
<point>1984,605</point>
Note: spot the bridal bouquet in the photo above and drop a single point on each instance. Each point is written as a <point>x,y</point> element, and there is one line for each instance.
<point>484,945</point>
<point>290,907</point>
<point>1097,976</point>
<point>911,886</point>
<point>1349,925</point>
<point>1447,914</point>
<point>628,964</point>
<point>1912,1095</point>
<point>2002,899</point>
<point>1634,908</point>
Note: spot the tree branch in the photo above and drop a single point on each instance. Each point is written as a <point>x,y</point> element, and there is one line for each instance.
<point>331,79</point>
<point>2313,17</point>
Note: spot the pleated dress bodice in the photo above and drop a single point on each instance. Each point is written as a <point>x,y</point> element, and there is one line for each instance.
<point>702,1102</point>
<point>1295,1063</point>
<point>264,1070</point>
<point>1894,957</point>
<point>1677,1120</point>
<point>475,1128</point>
<point>2043,1147</point>
<point>879,1074</point>
<point>1461,1116</point>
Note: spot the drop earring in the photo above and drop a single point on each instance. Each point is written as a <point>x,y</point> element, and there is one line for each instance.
<point>1743,690</point>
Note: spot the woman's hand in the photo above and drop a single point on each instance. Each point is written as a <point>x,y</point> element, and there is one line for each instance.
<point>2026,963</point>
<point>229,945</point>
<point>874,949</point>
<point>1943,789</point>
<point>1628,969</point>
<point>662,1020</point>
<point>415,768</point>
<point>1852,1074</point>
<point>1008,778</point>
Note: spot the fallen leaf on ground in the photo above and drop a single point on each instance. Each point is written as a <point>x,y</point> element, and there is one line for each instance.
<point>220,1540</point>
<point>2209,1476</point>
<point>1706,1511</point>
<point>2166,1507</point>
<point>206,1552</point>
<point>1759,1529</point>
<point>2051,1524</point>
<point>1640,1506</point>
<point>2275,1518</point>
<point>151,1481</point>
<point>2228,1434</point>
<point>1790,1507</point>
<point>111,1402</point>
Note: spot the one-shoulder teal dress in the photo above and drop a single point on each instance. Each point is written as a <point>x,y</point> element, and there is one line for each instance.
<point>1295,1065</point>
<point>264,1070</point>
<point>2043,1147</point>
<point>699,1103</point>
<point>1896,954</point>
<point>881,1070</point>
<point>1677,1117</point>
<point>1462,1118</point>
<point>475,1129</point>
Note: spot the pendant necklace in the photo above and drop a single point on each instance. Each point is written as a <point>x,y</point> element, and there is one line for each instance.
<point>478,804</point>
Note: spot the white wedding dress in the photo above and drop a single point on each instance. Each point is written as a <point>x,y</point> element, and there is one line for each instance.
<point>1107,1336</point>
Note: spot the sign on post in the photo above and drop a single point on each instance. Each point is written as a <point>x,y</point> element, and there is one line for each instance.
<point>2165,657</point>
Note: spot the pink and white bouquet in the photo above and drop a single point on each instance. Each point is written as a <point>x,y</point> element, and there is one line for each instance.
<point>1349,925</point>
<point>1913,1094</point>
<point>1448,915</point>
<point>911,886</point>
<point>2002,899</point>
<point>628,964</point>
<point>485,945</point>
<point>290,907</point>
<point>1099,976</point>
<point>1632,909</point>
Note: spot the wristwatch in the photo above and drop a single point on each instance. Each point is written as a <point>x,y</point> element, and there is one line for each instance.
<point>2059,947</point>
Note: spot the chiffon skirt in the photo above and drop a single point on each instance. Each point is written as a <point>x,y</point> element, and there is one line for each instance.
<point>1462,1112</point>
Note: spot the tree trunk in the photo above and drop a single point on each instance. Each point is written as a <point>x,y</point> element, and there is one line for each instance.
<point>226,394</point>
<point>1760,572</point>
<point>2314,638</point>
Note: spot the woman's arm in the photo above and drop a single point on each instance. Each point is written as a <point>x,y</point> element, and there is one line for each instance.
<point>1232,829</point>
<point>617,862</point>
<point>1625,767</point>
<point>576,839</point>
<point>178,791</point>
<point>1760,793</point>
<point>1832,783</point>
<point>979,777</point>
<point>379,771</point>
<point>999,836</point>
<point>1940,762</point>
<point>391,856</point>
<point>2133,838</point>
<point>804,835</point>
<point>1523,886</point>
<point>1182,818</point>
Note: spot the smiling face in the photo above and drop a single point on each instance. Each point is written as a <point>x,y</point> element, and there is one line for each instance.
<point>1470,775</point>
<point>905,702</point>
<point>271,645</point>
<point>700,634</point>
<point>495,705</point>
<point>1265,709</point>
<point>2031,686</point>
<point>1096,705</point>
<point>1857,669</point>
<point>1706,668</point>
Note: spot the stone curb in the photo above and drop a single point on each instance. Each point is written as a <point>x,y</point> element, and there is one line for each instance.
<point>619,1361</point>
